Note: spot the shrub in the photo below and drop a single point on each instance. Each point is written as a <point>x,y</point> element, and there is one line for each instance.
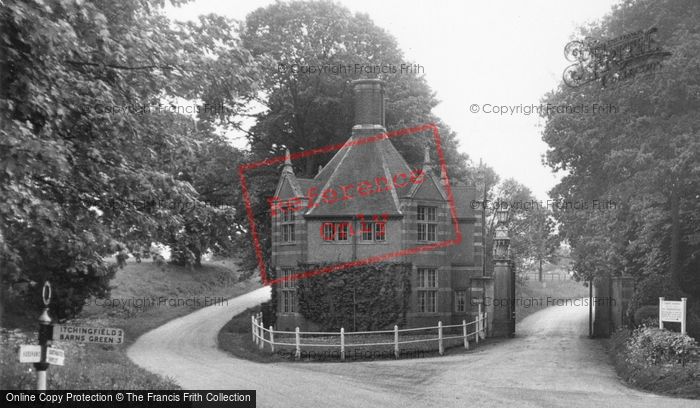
<point>646,315</point>
<point>650,346</point>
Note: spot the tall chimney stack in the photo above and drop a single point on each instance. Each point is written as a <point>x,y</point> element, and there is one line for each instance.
<point>369,102</point>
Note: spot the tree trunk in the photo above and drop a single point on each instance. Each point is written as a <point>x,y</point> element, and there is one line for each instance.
<point>540,270</point>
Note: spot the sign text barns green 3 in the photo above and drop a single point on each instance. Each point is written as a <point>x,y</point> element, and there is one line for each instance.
<point>86,334</point>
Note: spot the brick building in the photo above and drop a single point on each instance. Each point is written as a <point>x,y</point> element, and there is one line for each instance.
<point>367,201</point>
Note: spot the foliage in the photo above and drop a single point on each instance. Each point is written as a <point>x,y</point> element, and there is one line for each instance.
<point>91,151</point>
<point>360,298</point>
<point>303,111</point>
<point>643,158</point>
<point>530,226</point>
<point>651,346</point>
<point>671,379</point>
<point>648,315</point>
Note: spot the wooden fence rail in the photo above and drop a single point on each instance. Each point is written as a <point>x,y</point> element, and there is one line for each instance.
<point>475,329</point>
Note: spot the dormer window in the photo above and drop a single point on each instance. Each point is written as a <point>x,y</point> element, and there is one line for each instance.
<point>336,231</point>
<point>427,223</point>
<point>373,231</point>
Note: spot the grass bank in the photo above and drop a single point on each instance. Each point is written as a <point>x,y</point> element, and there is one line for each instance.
<point>532,295</point>
<point>144,296</point>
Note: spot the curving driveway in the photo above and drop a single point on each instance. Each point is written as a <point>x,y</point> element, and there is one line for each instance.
<point>550,364</point>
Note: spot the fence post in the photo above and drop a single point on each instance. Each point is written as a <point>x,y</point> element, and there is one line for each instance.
<point>661,305</point>
<point>342,344</point>
<point>478,325</point>
<point>441,348</point>
<point>396,341</point>
<point>464,333</point>
<point>252,326</point>
<point>261,345</point>
<point>272,340</point>
<point>297,355</point>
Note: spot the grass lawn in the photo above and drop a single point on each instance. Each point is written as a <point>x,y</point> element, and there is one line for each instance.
<point>532,295</point>
<point>144,296</point>
<point>235,338</point>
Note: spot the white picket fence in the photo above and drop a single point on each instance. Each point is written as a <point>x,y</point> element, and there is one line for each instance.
<point>475,330</point>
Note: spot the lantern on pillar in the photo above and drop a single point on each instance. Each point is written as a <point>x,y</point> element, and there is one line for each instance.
<point>501,241</point>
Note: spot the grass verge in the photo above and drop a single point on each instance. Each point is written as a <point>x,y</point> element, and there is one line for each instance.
<point>144,296</point>
<point>666,379</point>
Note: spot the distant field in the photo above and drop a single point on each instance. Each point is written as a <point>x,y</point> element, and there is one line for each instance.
<point>144,296</point>
<point>532,295</point>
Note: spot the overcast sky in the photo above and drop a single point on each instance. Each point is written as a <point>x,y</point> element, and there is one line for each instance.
<point>489,52</point>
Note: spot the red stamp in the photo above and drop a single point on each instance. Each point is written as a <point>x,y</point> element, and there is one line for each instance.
<point>354,196</point>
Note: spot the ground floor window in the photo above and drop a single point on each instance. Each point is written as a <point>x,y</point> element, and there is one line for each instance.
<point>288,292</point>
<point>427,301</point>
<point>427,290</point>
<point>460,301</point>
<point>289,301</point>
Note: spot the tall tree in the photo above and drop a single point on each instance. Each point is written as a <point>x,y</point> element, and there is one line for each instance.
<point>643,157</point>
<point>305,110</point>
<point>90,154</point>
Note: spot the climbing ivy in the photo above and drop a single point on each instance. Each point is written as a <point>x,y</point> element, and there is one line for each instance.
<point>367,297</point>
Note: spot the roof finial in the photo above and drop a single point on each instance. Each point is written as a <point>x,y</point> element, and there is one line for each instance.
<point>287,162</point>
<point>426,155</point>
<point>320,167</point>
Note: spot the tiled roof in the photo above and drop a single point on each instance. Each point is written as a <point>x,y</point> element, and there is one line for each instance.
<point>306,184</point>
<point>356,163</point>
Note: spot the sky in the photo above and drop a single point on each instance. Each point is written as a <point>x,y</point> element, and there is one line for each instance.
<point>477,57</point>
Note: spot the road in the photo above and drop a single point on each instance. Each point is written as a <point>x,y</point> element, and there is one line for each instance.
<point>551,363</point>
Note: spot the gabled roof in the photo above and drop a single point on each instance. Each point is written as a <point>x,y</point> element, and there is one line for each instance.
<point>288,174</point>
<point>430,177</point>
<point>354,163</point>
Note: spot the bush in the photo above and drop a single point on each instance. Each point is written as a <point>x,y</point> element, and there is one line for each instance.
<point>647,315</point>
<point>650,346</point>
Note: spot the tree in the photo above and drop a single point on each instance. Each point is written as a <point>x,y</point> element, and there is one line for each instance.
<point>89,148</point>
<point>530,225</point>
<point>305,110</point>
<point>643,158</point>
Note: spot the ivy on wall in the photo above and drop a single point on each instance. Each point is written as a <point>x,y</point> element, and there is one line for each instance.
<point>366,297</point>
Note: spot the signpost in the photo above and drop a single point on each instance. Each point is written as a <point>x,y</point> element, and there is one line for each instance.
<point>42,355</point>
<point>44,329</point>
<point>673,311</point>
<point>86,334</point>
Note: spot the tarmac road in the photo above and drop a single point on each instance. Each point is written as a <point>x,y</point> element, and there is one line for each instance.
<point>551,363</point>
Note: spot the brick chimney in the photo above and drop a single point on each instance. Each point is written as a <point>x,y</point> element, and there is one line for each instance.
<point>369,102</point>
